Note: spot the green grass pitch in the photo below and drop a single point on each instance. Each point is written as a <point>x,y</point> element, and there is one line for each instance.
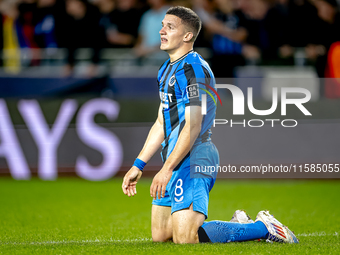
<point>72,216</point>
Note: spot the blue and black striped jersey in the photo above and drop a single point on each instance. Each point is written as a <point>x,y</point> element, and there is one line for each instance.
<point>182,83</point>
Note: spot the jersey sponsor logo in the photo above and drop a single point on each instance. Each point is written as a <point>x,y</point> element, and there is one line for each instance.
<point>193,91</point>
<point>165,98</point>
<point>172,80</point>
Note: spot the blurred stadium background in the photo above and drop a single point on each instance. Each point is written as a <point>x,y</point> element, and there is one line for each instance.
<point>69,64</point>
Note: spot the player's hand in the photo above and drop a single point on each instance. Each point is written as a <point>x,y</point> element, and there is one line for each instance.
<point>159,183</point>
<point>130,181</point>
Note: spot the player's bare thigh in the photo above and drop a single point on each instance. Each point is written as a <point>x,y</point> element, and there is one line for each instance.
<point>185,224</point>
<point>161,223</point>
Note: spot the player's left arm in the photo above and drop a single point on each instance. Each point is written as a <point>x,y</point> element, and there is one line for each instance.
<point>186,139</point>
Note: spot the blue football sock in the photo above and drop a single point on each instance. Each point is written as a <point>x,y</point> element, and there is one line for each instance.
<point>224,231</point>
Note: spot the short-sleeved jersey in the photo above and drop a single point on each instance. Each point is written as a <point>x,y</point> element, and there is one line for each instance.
<point>181,84</point>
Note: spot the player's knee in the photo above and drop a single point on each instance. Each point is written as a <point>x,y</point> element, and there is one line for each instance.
<point>160,236</point>
<point>186,236</point>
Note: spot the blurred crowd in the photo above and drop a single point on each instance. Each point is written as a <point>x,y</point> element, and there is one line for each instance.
<point>239,32</point>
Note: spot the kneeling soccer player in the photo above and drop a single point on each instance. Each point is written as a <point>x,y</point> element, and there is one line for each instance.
<point>185,116</point>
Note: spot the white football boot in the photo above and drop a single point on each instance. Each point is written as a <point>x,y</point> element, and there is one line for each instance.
<point>240,216</point>
<point>277,231</point>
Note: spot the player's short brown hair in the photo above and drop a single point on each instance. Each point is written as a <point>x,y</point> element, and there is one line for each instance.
<point>189,18</point>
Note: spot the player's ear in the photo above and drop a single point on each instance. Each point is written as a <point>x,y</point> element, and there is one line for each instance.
<point>188,36</point>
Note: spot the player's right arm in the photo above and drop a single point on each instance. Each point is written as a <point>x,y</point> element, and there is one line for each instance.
<point>151,145</point>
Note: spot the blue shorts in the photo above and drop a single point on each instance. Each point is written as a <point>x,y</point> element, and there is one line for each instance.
<point>187,187</point>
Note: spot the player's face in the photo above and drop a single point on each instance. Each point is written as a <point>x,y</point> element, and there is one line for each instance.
<point>172,33</point>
